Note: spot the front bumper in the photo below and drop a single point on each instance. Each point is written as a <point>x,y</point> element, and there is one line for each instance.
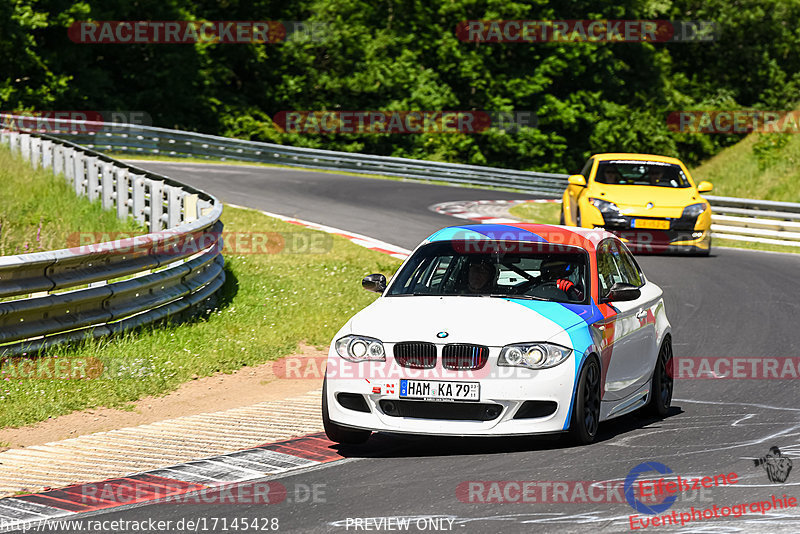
<point>664,241</point>
<point>501,409</point>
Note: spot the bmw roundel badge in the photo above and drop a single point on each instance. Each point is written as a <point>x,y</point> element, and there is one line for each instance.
<point>442,335</point>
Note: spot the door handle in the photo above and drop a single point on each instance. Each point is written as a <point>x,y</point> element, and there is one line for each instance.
<point>642,314</point>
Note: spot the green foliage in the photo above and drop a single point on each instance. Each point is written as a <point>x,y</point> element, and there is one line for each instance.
<point>404,55</point>
<point>767,149</point>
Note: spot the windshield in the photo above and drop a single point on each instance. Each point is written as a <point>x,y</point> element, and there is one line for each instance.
<point>525,270</point>
<point>650,173</point>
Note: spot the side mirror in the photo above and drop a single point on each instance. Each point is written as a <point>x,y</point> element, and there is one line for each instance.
<point>374,282</point>
<point>621,292</point>
<point>577,179</point>
<point>705,187</point>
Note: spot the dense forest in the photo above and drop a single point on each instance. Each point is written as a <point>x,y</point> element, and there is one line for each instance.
<point>407,55</point>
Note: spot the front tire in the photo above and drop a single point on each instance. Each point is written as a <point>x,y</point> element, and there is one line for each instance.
<point>338,433</point>
<point>662,383</point>
<point>586,408</point>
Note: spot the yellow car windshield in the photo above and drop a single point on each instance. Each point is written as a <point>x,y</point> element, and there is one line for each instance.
<point>649,173</point>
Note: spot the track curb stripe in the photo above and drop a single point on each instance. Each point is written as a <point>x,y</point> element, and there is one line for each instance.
<point>166,483</point>
<point>484,211</point>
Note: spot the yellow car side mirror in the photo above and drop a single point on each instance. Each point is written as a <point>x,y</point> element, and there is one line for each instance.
<point>577,179</point>
<point>704,187</point>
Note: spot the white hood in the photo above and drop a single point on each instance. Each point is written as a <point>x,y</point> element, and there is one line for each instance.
<point>490,321</point>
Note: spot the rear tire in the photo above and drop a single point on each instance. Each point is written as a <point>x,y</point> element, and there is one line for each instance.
<point>586,407</point>
<point>578,218</point>
<point>561,219</point>
<point>662,383</point>
<point>338,433</point>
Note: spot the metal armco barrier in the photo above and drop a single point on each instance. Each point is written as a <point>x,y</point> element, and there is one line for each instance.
<point>176,266</point>
<point>134,139</point>
<point>739,219</point>
<point>755,221</point>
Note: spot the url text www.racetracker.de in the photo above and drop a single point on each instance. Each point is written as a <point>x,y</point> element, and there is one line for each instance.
<point>145,526</point>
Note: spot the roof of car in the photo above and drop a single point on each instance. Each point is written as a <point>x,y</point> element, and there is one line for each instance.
<point>637,157</point>
<point>585,238</point>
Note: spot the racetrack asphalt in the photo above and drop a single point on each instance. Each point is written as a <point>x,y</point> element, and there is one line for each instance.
<point>741,304</point>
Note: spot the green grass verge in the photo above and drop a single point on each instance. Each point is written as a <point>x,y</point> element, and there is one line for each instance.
<point>763,166</point>
<point>39,211</point>
<point>537,212</point>
<point>274,301</point>
<point>730,243</point>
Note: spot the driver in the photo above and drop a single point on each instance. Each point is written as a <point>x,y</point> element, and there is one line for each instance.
<point>611,175</point>
<point>481,276</point>
<point>655,174</point>
<point>558,272</point>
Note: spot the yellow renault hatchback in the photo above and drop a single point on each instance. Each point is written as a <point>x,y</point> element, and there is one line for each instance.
<point>650,202</point>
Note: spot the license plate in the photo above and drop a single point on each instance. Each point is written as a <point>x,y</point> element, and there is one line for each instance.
<point>433,389</point>
<point>650,224</point>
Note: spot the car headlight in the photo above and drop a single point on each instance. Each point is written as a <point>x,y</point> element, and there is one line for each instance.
<point>605,207</point>
<point>360,349</point>
<point>693,211</point>
<point>533,355</point>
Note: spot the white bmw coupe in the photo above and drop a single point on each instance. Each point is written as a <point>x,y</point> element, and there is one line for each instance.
<point>491,330</point>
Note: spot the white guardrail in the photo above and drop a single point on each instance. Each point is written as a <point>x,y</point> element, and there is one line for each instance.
<point>739,219</point>
<point>755,221</point>
<point>51,297</point>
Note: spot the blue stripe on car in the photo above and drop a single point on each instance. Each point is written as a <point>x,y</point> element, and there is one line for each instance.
<point>457,233</point>
<point>575,320</point>
<point>486,231</point>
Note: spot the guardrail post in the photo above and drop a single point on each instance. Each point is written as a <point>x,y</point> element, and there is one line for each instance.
<point>92,179</point>
<point>204,207</point>
<point>190,208</point>
<point>107,186</point>
<point>122,193</point>
<point>174,205</point>
<point>156,204</point>
<point>78,173</point>
<point>36,153</point>
<point>25,146</point>
<point>47,154</point>
<point>57,158</point>
<point>137,185</point>
<point>13,141</point>
<point>69,167</point>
